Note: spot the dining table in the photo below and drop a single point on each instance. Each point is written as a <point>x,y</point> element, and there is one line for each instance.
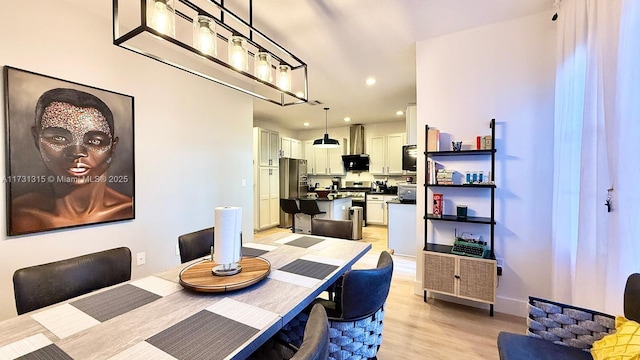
<point>155,317</point>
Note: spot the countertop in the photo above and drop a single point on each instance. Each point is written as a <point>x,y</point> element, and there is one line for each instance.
<point>329,198</point>
<point>381,193</point>
<point>332,198</point>
<point>401,203</point>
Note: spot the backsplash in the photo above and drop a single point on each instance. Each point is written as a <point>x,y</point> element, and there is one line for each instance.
<point>324,181</point>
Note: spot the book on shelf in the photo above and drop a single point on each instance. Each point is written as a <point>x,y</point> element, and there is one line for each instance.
<point>433,140</point>
<point>445,182</point>
<point>433,169</point>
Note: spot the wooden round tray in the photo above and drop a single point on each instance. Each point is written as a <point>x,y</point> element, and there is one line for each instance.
<point>198,277</point>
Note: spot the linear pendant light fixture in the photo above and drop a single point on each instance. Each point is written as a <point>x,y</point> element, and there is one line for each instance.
<point>326,142</point>
<point>206,39</point>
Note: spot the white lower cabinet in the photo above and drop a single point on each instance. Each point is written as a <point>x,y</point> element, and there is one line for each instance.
<point>375,209</point>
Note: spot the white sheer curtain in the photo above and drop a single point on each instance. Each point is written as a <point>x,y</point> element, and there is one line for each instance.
<point>596,148</point>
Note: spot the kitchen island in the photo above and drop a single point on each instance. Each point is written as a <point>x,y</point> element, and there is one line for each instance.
<point>335,208</point>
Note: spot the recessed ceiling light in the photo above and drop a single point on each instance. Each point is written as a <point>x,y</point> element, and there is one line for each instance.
<point>306,124</point>
<point>371,81</point>
<point>399,112</point>
<point>347,119</point>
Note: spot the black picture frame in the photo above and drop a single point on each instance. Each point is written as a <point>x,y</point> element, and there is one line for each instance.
<point>44,192</point>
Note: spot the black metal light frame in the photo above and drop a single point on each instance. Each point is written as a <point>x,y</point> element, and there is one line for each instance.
<point>286,98</point>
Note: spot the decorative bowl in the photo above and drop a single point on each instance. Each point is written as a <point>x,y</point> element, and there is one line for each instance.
<point>322,193</point>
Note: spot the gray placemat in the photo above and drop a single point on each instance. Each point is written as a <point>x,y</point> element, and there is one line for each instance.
<point>304,242</point>
<point>309,268</point>
<point>117,301</point>
<point>204,335</point>
<point>251,252</point>
<point>49,352</point>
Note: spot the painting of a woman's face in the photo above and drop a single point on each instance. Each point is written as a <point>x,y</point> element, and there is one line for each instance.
<point>75,142</point>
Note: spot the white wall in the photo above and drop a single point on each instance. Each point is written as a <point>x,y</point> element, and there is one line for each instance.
<point>187,131</point>
<point>504,71</point>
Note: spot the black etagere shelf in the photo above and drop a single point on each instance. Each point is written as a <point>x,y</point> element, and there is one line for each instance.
<point>461,152</point>
<point>432,247</point>
<point>463,185</point>
<point>490,185</point>
<point>468,219</point>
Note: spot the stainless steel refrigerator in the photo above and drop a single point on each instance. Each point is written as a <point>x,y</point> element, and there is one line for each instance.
<point>293,184</point>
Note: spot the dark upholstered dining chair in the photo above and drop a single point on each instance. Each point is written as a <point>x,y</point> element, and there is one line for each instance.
<point>195,244</point>
<point>341,229</point>
<point>314,346</point>
<point>42,285</point>
<point>315,343</point>
<point>356,314</point>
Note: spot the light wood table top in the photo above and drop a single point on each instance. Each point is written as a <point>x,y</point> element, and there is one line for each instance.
<point>156,318</point>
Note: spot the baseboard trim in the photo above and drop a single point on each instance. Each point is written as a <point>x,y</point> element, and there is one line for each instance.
<point>503,304</point>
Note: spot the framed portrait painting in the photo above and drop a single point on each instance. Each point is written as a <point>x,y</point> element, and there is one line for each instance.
<point>69,155</point>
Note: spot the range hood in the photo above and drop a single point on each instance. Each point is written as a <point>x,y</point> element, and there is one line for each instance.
<point>356,139</point>
<point>357,160</point>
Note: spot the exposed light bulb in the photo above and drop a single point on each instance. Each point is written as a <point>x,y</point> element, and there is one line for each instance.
<point>284,77</point>
<point>263,66</point>
<point>162,17</point>
<point>204,35</point>
<point>238,53</point>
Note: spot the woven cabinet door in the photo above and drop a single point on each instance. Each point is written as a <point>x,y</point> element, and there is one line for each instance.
<point>477,279</point>
<point>439,272</point>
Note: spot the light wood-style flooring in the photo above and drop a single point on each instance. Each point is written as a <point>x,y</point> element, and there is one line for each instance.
<point>435,330</point>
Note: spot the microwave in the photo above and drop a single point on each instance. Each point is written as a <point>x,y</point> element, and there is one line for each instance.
<point>407,193</point>
<point>409,157</point>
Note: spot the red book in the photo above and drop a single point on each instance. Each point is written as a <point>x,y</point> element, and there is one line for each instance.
<point>437,204</point>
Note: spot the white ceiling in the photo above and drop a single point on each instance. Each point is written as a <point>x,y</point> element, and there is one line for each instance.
<point>345,41</point>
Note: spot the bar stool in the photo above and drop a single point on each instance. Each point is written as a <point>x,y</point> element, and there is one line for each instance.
<point>310,207</point>
<point>290,207</point>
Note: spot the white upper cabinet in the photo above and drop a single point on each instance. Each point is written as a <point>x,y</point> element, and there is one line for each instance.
<point>324,161</point>
<point>334,156</point>
<point>291,148</point>
<point>310,156</point>
<point>394,154</point>
<point>385,154</point>
<point>268,146</point>
<point>296,149</point>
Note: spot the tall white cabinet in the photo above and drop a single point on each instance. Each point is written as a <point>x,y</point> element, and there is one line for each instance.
<point>385,154</point>
<point>266,151</point>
